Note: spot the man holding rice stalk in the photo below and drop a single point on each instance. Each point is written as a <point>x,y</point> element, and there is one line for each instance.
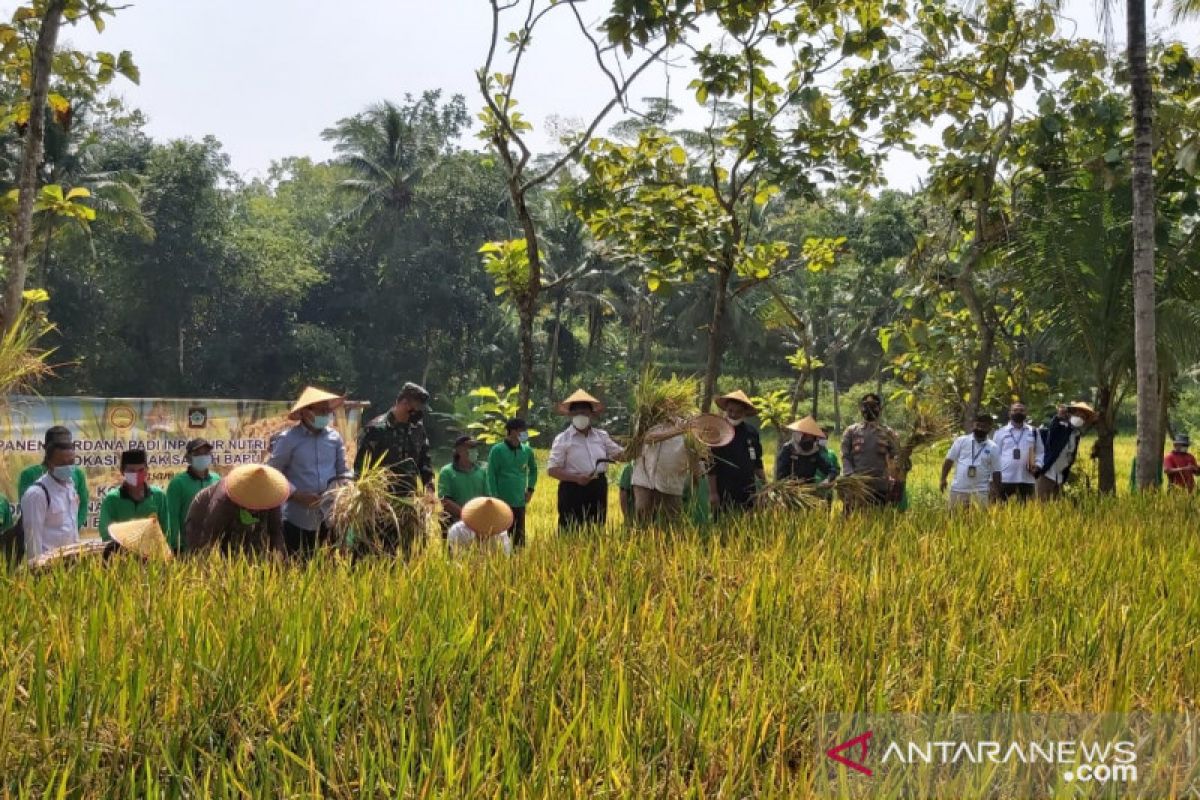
<point>397,443</point>
<point>311,455</point>
<point>579,458</point>
<point>975,460</point>
<point>869,450</point>
<point>737,469</point>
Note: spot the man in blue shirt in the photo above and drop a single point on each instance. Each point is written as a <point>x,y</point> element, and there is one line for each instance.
<point>311,455</point>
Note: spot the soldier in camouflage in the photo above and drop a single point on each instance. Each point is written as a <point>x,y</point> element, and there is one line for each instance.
<point>869,449</point>
<point>399,442</point>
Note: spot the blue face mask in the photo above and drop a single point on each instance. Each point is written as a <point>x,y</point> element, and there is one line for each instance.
<point>321,421</point>
<point>63,473</point>
<point>201,463</point>
<point>523,437</point>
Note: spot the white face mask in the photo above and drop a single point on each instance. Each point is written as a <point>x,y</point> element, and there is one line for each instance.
<point>733,421</point>
<point>131,478</point>
<point>581,422</point>
<point>795,440</point>
<point>1076,421</point>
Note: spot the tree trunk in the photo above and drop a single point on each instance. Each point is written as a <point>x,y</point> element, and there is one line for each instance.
<point>527,300</point>
<point>1106,432</point>
<point>552,369</point>
<point>816,398</point>
<point>1149,449</point>
<point>797,388</point>
<point>716,341</point>
<point>837,398</point>
<point>31,159</point>
<point>428,357</point>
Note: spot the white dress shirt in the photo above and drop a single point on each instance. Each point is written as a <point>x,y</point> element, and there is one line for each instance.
<point>663,466</point>
<point>460,537</point>
<point>984,456</point>
<point>578,453</point>
<point>1025,440</point>
<point>49,524</point>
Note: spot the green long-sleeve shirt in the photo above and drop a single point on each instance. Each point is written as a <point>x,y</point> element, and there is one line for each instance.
<point>31,474</point>
<point>182,489</point>
<point>511,471</point>
<point>118,506</point>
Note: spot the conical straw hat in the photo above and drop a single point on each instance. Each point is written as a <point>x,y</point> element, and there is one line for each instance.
<point>487,516</point>
<point>142,536</point>
<point>740,397</point>
<point>257,487</point>
<point>70,553</point>
<point>580,396</point>
<point>1088,411</point>
<point>714,431</point>
<point>807,426</point>
<point>311,396</point>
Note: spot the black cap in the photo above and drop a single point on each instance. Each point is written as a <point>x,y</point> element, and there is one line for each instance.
<point>56,433</point>
<point>133,458</point>
<point>983,416</point>
<point>871,397</point>
<point>196,444</point>
<point>515,424</point>
<point>463,439</point>
<point>412,391</point>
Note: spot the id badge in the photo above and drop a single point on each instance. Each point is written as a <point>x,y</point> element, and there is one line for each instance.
<point>971,471</point>
<point>1017,455</point>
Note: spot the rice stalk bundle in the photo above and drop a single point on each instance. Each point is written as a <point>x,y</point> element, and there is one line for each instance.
<point>926,427</point>
<point>790,495</point>
<point>663,401</point>
<point>854,489</point>
<point>367,512</point>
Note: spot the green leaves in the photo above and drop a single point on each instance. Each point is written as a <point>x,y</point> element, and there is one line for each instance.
<point>508,264</point>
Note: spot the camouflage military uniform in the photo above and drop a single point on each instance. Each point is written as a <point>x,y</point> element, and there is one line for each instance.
<point>404,447</point>
<point>868,448</point>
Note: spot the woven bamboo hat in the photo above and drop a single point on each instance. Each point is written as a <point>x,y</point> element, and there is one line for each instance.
<point>580,396</point>
<point>142,536</point>
<point>740,397</point>
<point>714,431</point>
<point>1079,406</point>
<point>487,516</point>
<point>807,426</point>
<point>257,487</point>
<point>311,396</point>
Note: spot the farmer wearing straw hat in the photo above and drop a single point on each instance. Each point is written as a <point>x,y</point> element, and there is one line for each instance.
<point>184,487</point>
<point>241,513</point>
<point>398,442</point>
<point>485,523</point>
<point>1021,455</point>
<point>1060,437</point>
<point>311,455</point>
<point>142,537</point>
<point>736,468</point>
<point>868,449</point>
<point>134,498</point>
<point>33,472</point>
<point>579,458</point>
<point>802,458</point>
<point>1180,465</point>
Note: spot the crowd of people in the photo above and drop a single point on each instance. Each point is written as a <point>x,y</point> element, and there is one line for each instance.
<point>282,506</point>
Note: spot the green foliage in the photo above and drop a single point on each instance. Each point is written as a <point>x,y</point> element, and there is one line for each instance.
<point>508,264</point>
<point>492,408</point>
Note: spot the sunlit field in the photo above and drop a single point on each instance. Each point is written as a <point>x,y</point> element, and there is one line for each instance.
<point>653,663</point>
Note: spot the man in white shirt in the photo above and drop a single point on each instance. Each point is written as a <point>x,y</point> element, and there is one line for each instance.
<point>49,508</point>
<point>1021,454</point>
<point>578,461</point>
<point>975,460</point>
<point>661,472</point>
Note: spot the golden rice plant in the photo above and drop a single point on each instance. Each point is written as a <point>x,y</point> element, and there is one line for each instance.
<point>366,511</point>
<point>790,494</point>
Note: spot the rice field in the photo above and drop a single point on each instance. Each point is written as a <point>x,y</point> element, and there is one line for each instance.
<point>652,664</point>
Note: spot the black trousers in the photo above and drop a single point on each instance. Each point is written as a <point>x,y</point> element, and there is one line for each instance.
<point>301,542</point>
<point>1021,491</point>
<point>517,531</point>
<point>582,505</point>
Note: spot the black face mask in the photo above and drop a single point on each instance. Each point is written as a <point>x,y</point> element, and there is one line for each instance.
<point>980,436</point>
<point>415,416</point>
<point>870,412</point>
<point>1018,418</point>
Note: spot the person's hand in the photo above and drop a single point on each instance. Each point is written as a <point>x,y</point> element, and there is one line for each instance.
<point>583,480</point>
<point>942,486</point>
<point>308,499</point>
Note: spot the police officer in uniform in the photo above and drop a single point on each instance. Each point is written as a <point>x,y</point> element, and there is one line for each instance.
<point>399,442</point>
<point>868,449</point>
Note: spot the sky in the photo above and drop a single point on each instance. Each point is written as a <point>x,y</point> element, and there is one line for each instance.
<point>265,77</point>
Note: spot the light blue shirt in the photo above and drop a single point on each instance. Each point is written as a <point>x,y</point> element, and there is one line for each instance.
<point>310,460</point>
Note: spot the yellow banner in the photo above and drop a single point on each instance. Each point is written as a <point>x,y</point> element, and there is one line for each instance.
<point>240,432</point>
